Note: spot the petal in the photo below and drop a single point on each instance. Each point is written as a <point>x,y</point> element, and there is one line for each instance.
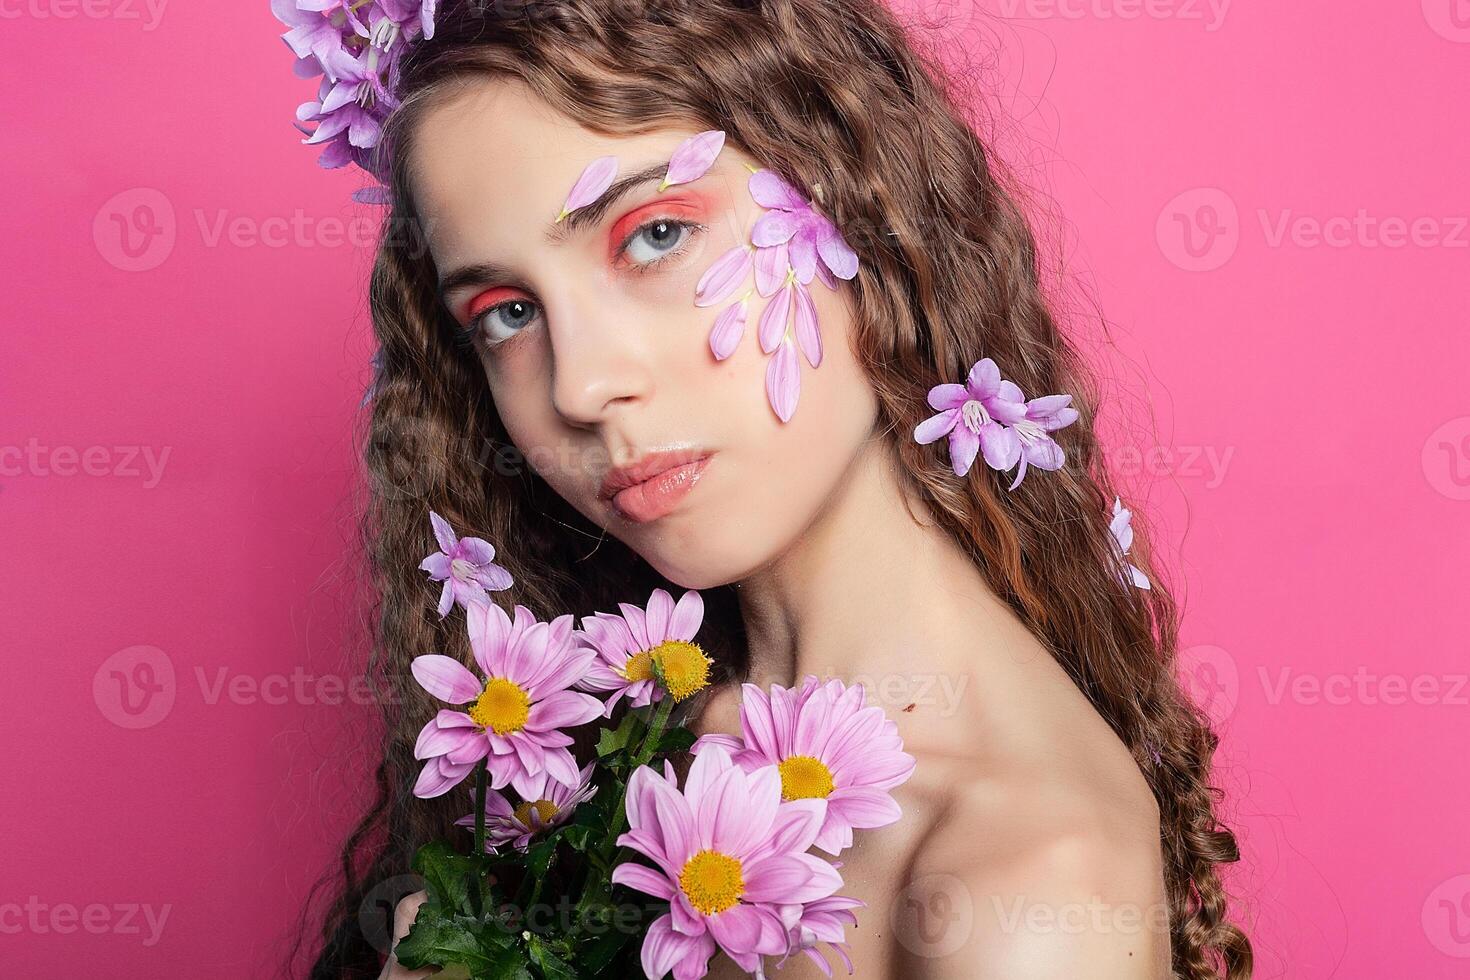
<point>774,228</point>
<point>772,324</point>
<point>445,678</point>
<point>983,379</point>
<point>783,381</point>
<point>865,808</point>
<point>771,190</point>
<point>935,426</point>
<point>807,334</point>
<point>437,565</point>
<point>1001,444</point>
<point>837,256</point>
<point>656,618</point>
<point>728,330</point>
<point>665,949</point>
<point>737,929</point>
<point>564,709</point>
<point>724,276</point>
<point>643,879</point>
<point>443,533</point>
<point>964,446</point>
<point>945,396</point>
<point>595,178</point>
<point>688,614</point>
<point>693,158</point>
<point>771,266</point>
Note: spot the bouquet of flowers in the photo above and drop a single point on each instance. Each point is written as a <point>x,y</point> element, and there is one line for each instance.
<point>570,863</point>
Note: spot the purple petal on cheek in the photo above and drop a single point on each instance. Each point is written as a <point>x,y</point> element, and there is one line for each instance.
<point>771,266</point>
<point>807,333</point>
<point>772,325</point>
<point>771,190</point>
<point>783,381</point>
<point>724,276</point>
<point>729,327</point>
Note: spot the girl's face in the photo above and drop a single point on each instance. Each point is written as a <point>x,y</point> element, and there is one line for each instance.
<point>597,356</point>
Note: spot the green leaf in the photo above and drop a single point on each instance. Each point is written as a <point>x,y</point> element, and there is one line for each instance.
<point>436,939</point>
<point>508,965</point>
<point>539,855</point>
<point>552,967</point>
<point>614,740</point>
<point>447,875</point>
<point>676,740</point>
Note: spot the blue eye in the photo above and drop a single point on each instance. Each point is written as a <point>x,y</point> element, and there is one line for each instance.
<point>658,239</point>
<point>504,320</point>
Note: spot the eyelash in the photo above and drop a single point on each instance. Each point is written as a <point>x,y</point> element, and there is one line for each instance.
<point>473,334</point>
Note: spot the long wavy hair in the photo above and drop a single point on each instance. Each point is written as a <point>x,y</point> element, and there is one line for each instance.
<point>839,99</point>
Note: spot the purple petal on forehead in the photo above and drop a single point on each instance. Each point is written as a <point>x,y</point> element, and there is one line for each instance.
<point>596,177</point>
<point>807,334</point>
<point>771,190</point>
<point>771,265</point>
<point>772,326</point>
<point>783,381</point>
<point>722,278</point>
<point>729,327</point>
<point>693,158</point>
<point>773,228</point>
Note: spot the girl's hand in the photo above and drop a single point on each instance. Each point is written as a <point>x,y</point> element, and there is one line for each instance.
<point>403,915</point>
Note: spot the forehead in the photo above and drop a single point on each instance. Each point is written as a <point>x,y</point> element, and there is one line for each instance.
<point>493,164</point>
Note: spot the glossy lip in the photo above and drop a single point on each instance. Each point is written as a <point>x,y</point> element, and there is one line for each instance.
<point>646,467</point>
<point>667,478</point>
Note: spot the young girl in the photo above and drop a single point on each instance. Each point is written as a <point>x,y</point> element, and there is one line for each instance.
<point>583,387</point>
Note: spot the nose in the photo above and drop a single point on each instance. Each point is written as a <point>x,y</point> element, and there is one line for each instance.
<point>600,359</point>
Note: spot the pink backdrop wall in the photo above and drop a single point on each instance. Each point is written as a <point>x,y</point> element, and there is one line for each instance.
<point>1267,199</point>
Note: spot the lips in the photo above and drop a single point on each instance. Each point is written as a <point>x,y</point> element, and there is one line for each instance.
<point>652,487</point>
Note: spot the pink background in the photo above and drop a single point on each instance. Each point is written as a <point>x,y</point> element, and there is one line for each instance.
<point>1307,463</point>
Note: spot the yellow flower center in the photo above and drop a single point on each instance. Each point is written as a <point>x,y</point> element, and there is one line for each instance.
<point>805,778</point>
<point>682,666</point>
<point>503,707</point>
<point>639,667</point>
<point>545,809</point>
<point>711,881</point>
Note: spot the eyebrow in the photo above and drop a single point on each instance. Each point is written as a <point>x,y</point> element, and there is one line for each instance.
<point>558,232</point>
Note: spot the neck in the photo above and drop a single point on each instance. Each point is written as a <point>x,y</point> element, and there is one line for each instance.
<point>865,592</point>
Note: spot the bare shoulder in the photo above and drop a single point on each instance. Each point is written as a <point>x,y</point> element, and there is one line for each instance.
<point>1037,875</point>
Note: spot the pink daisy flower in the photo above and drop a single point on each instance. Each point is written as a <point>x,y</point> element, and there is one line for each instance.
<point>515,714</point>
<point>729,856</point>
<point>628,646</point>
<point>545,807</point>
<point>825,744</point>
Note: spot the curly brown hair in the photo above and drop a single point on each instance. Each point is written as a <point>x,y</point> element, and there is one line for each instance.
<point>836,95</point>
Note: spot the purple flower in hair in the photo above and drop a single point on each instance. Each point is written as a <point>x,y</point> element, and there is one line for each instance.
<point>976,416</point>
<point>466,566</point>
<point>1121,528</point>
<point>1044,416</point>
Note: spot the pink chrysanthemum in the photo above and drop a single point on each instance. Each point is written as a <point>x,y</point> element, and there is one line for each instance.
<point>548,804</point>
<point>825,744</point>
<point>628,646</point>
<point>730,857</point>
<point>515,715</point>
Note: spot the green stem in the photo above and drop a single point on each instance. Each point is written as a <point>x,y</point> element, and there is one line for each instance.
<point>481,775</point>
